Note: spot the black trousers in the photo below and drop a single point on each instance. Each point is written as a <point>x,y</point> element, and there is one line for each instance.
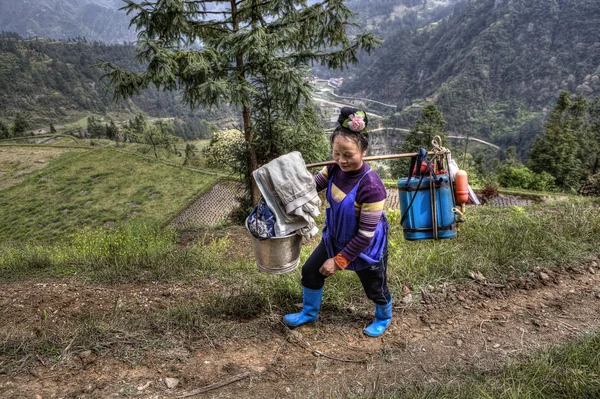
<point>373,279</point>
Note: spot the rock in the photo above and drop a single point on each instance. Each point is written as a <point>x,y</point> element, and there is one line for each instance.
<point>171,382</point>
<point>38,397</point>
<point>477,276</point>
<point>496,346</point>
<point>594,263</point>
<point>109,225</point>
<point>407,299</point>
<point>462,296</point>
<point>598,295</point>
<point>592,270</point>
<point>142,387</point>
<point>85,354</point>
<point>459,343</point>
<point>544,276</point>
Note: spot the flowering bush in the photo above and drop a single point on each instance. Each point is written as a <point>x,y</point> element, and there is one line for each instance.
<point>224,149</point>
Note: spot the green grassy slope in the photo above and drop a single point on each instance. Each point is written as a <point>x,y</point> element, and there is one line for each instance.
<point>81,189</point>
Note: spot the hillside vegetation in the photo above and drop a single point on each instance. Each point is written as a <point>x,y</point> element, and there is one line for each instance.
<point>493,67</point>
<point>60,19</point>
<point>56,81</point>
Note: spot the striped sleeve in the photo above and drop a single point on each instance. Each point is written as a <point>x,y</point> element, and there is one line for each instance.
<point>322,179</point>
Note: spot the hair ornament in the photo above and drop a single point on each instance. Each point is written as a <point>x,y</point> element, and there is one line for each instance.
<point>356,122</point>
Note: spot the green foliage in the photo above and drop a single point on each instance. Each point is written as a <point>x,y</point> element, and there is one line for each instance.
<point>95,128</point>
<point>513,174</point>
<point>4,131</point>
<point>568,149</point>
<point>157,136</point>
<point>497,242</point>
<point>52,82</point>
<point>225,149</point>
<point>476,66</point>
<point>128,252</point>
<point>523,177</point>
<point>255,57</point>
<point>19,126</point>
<point>431,123</point>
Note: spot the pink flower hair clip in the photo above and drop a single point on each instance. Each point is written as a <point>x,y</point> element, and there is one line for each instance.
<point>356,122</point>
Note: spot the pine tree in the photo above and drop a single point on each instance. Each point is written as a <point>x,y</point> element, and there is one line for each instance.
<point>20,125</point>
<point>4,131</point>
<point>431,123</point>
<point>242,42</point>
<point>111,130</point>
<point>556,150</point>
<point>52,129</point>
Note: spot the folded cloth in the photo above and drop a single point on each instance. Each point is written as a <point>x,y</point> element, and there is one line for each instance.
<point>290,192</point>
<point>261,221</point>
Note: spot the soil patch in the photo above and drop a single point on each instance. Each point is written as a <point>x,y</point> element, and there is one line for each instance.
<point>482,324</point>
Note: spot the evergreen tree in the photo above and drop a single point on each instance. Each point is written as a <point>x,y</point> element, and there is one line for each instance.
<point>52,129</point>
<point>250,41</point>
<point>430,124</point>
<point>4,131</point>
<point>20,125</point>
<point>556,150</point>
<point>95,128</point>
<point>111,130</point>
<point>592,145</point>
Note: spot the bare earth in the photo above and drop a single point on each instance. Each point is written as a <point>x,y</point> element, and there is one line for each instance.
<point>481,325</point>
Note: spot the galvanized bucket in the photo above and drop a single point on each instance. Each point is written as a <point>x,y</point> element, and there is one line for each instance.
<point>277,255</point>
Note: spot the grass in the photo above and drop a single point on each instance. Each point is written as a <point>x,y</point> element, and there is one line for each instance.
<point>568,371</point>
<point>88,189</point>
<point>17,162</point>
<point>506,242</point>
<point>498,242</point>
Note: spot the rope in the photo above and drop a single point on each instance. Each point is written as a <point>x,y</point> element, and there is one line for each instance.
<point>438,149</point>
<point>433,194</point>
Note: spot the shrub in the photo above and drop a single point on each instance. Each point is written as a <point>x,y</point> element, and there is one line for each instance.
<point>224,148</point>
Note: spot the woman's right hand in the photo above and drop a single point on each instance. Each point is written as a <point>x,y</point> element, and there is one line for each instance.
<point>329,268</point>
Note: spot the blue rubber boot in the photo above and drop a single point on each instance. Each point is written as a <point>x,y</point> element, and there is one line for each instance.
<point>383,318</point>
<point>311,299</point>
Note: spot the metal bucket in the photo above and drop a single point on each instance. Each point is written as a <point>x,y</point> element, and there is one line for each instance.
<point>277,255</point>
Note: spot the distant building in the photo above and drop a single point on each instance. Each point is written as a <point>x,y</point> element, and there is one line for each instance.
<point>337,83</point>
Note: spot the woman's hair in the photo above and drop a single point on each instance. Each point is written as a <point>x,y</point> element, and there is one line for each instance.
<point>361,139</point>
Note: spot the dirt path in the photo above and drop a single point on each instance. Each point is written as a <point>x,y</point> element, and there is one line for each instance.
<point>479,325</point>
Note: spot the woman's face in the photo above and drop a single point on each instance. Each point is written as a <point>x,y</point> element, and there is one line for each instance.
<point>347,154</point>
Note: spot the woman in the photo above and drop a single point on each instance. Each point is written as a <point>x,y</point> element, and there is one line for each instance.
<point>355,233</point>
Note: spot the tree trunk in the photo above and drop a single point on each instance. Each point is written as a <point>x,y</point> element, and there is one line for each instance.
<point>247,120</point>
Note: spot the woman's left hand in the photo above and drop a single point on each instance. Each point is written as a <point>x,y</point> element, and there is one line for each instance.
<point>329,268</point>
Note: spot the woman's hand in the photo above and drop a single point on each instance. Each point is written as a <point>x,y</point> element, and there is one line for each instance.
<point>329,268</point>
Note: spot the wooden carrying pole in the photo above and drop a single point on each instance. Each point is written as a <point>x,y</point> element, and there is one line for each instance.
<point>372,158</point>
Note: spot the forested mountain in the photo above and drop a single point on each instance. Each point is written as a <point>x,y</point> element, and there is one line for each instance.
<point>50,82</point>
<point>493,67</point>
<point>62,19</point>
<point>386,17</point>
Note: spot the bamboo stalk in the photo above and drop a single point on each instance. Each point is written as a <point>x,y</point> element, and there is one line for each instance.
<point>372,158</point>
